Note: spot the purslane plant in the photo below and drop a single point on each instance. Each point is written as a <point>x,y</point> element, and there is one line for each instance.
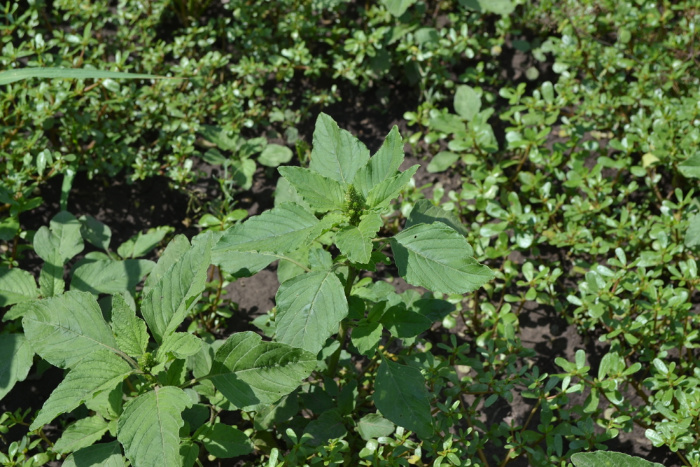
<point>159,391</point>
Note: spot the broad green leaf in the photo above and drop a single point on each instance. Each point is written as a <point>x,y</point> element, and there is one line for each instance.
<point>500,7</point>
<point>329,425</point>
<point>310,308</point>
<point>168,301</point>
<point>274,155</point>
<point>384,164</point>
<point>102,455</point>
<point>322,193</point>
<point>279,230</point>
<point>95,232</point>
<point>609,459</point>
<point>398,7</point>
<point>63,330</point>
<point>10,76</point>
<point>373,426</point>
<point>51,283</point>
<point>99,371</point>
<point>692,235</point>
<point>250,372</point>
<point>61,241</point>
<point>180,345</point>
<point>690,168</point>
<point>17,359</point>
<point>436,257</point>
<point>107,404</point>
<point>224,441</point>
<point>149,427</point>
<point>81,434</point>
<point>129,330</point>
<point>366,336</point>
<point>241,172</point>
<point>336,153</point>
<point>401,396</point>
<point>142,243</point>
<point>390,188</point>
<point>110,277</point>
<point>356,242</point>
<point>467,102</point>
<point>16,286</point>
<point>404,323</point>
<point>173,252</point>
<point>442,161</point>
<point>425,212</point>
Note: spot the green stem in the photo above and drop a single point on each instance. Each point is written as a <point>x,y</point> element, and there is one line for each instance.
<point>342,330</point>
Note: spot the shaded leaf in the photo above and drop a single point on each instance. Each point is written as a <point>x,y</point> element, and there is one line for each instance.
<point>425,212</point>
<point>401,396</point>
<point>17,359</point>
<point>103,455</point>
<point>95,232</point>
<point>224,441</point>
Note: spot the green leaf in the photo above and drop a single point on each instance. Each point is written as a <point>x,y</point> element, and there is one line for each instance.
<point>609,459</point>
<point>110,277</point>
<point>425,212</point>
<point>279,230</point>
<point>99,371</point>
<point>310,308</point>
<point>274,155</point>
<point>384,164</point>
<point>102,455</point>
<point>95,232</point>
<point>241,172</point>
<point>373,426</point>
<point>692,235</point>
<point>167,302</point>
<point>81,434</point>
<point>10,76</point>
<point>329,425</point>
<point>500,7</point>
<point>51,281</point>
<point>17,359</point>
<point>356,242</point>
<point>250,372</point>
<point>690,168</point>
<point>401,396</point>
<point>390,188</point>
<point>180,345</point>
<point>172,254</point>
<point>322,193</point>
<point>149,427</point>
<point>336,153</point>
<point>59,242</point>
<point>366,336</point>
<point>467,102</point>
<point>398,7</point>
<point>16,286</point>
<point>224,441</point>
<point>129,330</point>
<point>63,330</point>
<point>436,257</point>
<point>404,323</point>
<point>442,161</point>
<point>142,243</point>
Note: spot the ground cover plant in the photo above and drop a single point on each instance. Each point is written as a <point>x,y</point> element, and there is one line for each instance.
<point>521,288</point>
